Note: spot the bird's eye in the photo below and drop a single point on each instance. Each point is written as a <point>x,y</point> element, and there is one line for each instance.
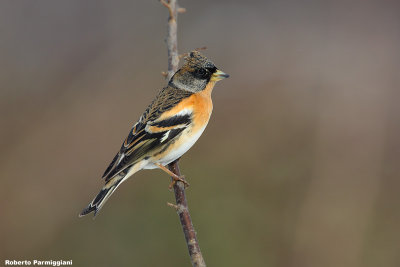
<point>202,73</point>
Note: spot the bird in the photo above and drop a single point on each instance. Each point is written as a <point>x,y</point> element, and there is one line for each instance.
<point>168,128</point>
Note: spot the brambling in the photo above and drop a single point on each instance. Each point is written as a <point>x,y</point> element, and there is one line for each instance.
<point>168,128</point>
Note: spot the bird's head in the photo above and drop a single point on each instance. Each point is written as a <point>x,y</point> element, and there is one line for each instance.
<point>196,73</point>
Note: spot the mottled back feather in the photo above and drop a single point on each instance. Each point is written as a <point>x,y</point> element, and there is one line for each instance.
<point>139,142</point>
<point>167,98</point>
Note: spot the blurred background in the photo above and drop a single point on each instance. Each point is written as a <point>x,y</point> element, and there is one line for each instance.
<point>299,165</point>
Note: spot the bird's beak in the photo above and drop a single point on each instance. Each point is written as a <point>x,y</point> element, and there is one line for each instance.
<point>218,75</point>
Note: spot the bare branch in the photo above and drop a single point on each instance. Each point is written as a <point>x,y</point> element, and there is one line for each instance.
<point>186,221</point>
<point>167,5</point>
<point>171,40</point>
<point>181,206</point>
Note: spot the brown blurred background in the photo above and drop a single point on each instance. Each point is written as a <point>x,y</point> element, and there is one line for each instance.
<point>299,165</point>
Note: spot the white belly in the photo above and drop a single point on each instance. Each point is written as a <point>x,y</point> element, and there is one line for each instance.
<point>178,150</point>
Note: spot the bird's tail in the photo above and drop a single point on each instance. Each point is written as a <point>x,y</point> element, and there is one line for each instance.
<point>103,195</point>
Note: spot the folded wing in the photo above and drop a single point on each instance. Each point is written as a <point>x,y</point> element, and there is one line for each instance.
<point>151,134</point>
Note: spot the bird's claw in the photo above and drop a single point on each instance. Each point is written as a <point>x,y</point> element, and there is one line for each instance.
<point>176,179</point>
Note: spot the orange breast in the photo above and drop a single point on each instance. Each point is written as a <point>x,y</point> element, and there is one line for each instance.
<point>200,103</point>
<point>202,107</point>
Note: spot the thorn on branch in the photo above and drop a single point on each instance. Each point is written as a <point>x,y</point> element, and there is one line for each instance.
<point>179,208</point>
<point>172,205</point>
<point>181,10</point>
<point>164,74</point>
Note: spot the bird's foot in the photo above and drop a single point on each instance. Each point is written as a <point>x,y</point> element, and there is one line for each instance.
<point>175,179</point>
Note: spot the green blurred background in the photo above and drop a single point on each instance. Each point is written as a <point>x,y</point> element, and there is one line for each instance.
<point>299,165</point>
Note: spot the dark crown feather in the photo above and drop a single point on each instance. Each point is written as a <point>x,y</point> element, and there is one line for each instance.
<point>194,60</point>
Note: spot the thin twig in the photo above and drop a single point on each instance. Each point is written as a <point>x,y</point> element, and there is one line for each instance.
<point>179,187</point>
<point>186,221</point>
<point>172,205</point>
<point>181,10</point>
<point>172,33</point>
